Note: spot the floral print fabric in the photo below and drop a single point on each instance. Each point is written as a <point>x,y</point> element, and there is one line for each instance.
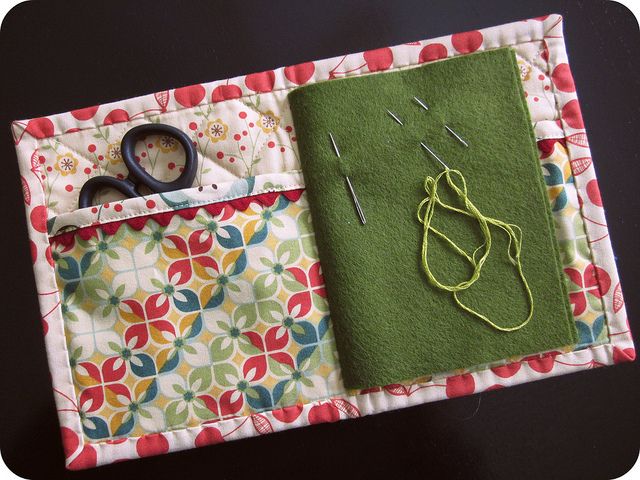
<point>199,319</point>
<point>586,283</point>
<point>235,139</point>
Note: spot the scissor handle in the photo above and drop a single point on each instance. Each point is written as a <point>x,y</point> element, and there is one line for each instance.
<point>137,174</point>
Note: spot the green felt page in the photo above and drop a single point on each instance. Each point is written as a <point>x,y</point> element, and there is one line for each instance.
<point>390,323</point>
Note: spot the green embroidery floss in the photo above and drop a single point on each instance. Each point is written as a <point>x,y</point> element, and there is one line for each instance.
<point>426,210</point>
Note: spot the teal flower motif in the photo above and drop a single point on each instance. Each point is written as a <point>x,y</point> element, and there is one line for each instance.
<point>137,407</point>
<point>557,180</point>
<point>103,247</point>
<point>228,236</point>
<point>268,219</point>
<point>589,334</point>
<point>140,363</point>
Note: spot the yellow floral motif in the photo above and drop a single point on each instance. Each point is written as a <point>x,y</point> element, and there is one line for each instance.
<point>114,155</point>
<point>268,122</point>
<point>167,144</point>
<point>525,70</point>
<point>216,130</point>
<point>66,164</point>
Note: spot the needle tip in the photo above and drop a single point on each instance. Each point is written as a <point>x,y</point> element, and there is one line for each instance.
<point>335,146</point>
<point>422,103</point>
<point>434,155</point>
<point>395,117</point>
<point>456,136</point>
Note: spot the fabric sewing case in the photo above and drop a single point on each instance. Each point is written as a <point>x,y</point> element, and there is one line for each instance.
<point>200,316</point>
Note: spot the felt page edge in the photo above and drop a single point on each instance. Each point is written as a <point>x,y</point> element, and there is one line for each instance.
<point>560,275</point>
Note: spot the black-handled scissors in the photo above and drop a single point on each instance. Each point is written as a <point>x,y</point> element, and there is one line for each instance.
<point>137,175</point>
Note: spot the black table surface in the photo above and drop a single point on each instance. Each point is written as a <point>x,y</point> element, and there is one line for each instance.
<point>57,56</point>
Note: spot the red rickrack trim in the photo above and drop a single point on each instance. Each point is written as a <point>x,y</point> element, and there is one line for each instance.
<point>163,218</point>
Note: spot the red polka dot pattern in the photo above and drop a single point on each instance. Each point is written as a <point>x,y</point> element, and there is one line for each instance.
<point>562,78</point>
<point>189,96</point>
<point>467,42</point>
<point>379,59</point>
<point>154,444</point>
<point>433,51</point>
<point>572,115</point>
<point>260,82</point>
<point>301,73</point>
<point>593,192</point>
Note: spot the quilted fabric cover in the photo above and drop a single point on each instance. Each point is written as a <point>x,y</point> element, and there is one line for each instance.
<point>243,131</point>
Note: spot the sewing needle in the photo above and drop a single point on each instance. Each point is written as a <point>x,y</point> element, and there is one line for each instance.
<point>395,117</point>
<point>458,137</point>
<point>354,197</point>
<point>433,154</point>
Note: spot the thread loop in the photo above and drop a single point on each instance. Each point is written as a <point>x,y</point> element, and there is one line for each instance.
<point>477,259</point>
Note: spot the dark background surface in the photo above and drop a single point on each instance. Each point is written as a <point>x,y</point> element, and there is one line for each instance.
<point>56,56</point>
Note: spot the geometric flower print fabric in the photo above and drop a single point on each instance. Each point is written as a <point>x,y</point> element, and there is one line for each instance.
<point>586,282</point>
<point>205,318</point>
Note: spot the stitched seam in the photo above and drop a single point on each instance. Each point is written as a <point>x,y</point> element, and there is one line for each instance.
<point>77,391</point>
<point>550,137</point>
<point>126,200</point>
<point>76,423</point>
<point>361,399</point>
<point>245,105</point>
<point>558,115</point>
<point>581,209</point>
<point>351,74</point>
<point>358,398</point>
<point>190,205</point>
<point>83,157</point>
<point>206,160</point>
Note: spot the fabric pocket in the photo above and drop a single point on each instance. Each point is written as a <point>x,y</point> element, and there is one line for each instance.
<point>587,283</point>
<point>207,305</point>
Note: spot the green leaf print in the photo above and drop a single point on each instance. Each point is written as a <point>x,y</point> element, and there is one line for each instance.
<point>177,413</point>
